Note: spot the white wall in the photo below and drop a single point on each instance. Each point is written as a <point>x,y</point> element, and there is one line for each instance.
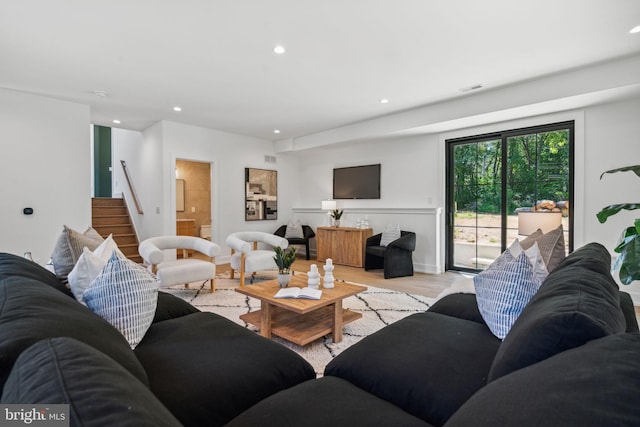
<point>147,178</point>
<point>45,165</point>
<point>410,189</point>
<point>127,145</point>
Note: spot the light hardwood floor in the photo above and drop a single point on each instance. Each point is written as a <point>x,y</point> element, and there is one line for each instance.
<point>429,285</point>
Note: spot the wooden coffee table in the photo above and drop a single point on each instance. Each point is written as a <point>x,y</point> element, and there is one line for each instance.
<point>300,321</point>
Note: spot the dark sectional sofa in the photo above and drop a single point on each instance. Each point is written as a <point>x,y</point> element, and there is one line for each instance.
<point>191,368</point>
<point>572,358</point>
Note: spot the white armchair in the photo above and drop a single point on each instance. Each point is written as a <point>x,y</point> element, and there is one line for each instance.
<point>246,257</point>
<point>180,271</point>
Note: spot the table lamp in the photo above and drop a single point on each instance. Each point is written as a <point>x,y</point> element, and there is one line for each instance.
<point>529,222</point>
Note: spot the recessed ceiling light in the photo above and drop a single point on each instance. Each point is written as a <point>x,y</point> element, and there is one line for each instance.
<point>635,30</point>
<point>116,121</point>
<point>279,50</point>
<point>384,101</point>
<point>276,131</point>
<point>176,108</point>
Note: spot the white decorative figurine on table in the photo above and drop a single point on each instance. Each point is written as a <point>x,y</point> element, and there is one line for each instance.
<point>313,277</point>
<point>328,274</point>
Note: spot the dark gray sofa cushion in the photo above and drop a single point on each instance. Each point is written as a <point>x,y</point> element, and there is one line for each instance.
<point>593,385</point>
<point>170,306</point>
<point>578,302</point>
<point>325,402</point>
<point>626,304</point>
<point>31,311</point>
<point>98,390</point>
<point>462,306</point>
<point>230,367</point>
<point>13,265</point>
<point>427,364</point>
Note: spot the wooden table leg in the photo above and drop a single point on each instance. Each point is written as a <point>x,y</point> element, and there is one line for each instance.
<point>337,321</point>
<point>265,319</point>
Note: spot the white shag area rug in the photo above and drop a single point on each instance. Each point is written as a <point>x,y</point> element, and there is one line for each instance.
<point>379,307</point>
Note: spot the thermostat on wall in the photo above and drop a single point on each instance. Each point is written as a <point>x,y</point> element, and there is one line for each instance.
<point>27,211</point>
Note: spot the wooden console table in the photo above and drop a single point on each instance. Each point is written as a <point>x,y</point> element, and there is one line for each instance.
<point>344,245</point>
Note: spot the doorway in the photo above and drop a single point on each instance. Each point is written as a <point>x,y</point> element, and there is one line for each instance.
<point>102,161</point>
<point>193,198</point>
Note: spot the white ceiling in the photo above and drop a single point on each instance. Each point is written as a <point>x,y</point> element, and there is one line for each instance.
<point>215,58</point>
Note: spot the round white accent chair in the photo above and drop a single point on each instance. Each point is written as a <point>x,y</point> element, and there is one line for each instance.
<point>171,271</point>
<point>246,255</point>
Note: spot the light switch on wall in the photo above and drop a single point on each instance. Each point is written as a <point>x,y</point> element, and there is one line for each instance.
<point>193,209</point>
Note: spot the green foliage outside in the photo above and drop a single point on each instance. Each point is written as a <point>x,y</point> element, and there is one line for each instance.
<point>537,169</point>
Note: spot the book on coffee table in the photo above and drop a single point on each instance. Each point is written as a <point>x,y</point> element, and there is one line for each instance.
<point>306,293</point>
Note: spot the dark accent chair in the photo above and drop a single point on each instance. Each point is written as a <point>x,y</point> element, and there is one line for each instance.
<point>396,258</point>
<point>306,231</point>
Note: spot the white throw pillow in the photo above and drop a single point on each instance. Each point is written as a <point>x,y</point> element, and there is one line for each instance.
<point>294,231</point>
<point>535,257</point>
<point>126,295</point>
<point>390,233</point>
<point>89,265</point>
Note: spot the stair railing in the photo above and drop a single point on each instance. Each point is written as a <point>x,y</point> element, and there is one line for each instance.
<point>136,201</point>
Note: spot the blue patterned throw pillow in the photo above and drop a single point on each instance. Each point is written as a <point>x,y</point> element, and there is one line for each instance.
<point>503,292</point>
<point>126,295</point>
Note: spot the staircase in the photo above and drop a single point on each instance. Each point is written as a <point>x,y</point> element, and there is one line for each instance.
<point>111,216</point>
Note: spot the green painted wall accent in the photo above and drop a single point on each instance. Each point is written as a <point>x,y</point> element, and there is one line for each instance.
<point>102,161</point>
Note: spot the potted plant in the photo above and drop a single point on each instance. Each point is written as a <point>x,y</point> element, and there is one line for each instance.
<point>284,259</point>
<point>628,247</point>
<point>336,214</point>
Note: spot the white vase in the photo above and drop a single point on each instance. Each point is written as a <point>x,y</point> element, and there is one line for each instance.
<point>336,222</point>
<point>284,279</point>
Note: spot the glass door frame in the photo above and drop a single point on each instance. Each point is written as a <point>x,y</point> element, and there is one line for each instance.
<point>503,136</point>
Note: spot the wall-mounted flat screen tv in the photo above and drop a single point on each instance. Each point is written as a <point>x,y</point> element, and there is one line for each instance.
<point>357,182</point>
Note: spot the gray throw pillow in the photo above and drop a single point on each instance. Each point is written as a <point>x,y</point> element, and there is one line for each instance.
<point>551,246</point>
<point>294,231</point>
<point>69,247</point>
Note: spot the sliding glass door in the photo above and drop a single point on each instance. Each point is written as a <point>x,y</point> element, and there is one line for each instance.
<point>495,182</point>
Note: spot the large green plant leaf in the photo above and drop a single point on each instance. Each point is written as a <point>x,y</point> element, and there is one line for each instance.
<point>629,259</point>
<point>611,210</point>
<point>628,262</point>
<point>635,169</point>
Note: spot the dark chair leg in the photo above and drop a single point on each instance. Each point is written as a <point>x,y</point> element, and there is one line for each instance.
<point>307,247</point>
